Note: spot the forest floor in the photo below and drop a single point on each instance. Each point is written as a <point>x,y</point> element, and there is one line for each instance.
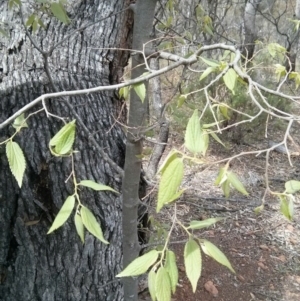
<point>264,249</point>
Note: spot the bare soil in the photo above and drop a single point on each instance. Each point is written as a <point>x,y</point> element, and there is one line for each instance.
<point>263,249</point>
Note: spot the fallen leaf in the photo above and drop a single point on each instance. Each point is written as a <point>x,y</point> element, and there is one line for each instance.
<point>261,265</point>
<point>210,287</point>
<point>290,228</point>
<point>293,241</point>
<point>241,278</point>
<point>282,258</point>
<point>264,247</point>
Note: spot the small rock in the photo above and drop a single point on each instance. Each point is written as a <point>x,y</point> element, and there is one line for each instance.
<point>211,288</point>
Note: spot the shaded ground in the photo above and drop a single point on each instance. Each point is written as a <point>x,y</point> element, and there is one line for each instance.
<point>263,249</point>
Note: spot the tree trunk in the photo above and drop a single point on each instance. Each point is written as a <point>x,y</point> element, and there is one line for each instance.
<point>249,29</point>
<point>35,266</point>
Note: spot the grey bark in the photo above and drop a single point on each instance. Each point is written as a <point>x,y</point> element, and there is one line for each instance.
<point>35,266</point>
<point>249,29</point>
<point>143,20</point>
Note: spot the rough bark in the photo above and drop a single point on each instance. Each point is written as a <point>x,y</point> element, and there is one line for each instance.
<point>35,266</point>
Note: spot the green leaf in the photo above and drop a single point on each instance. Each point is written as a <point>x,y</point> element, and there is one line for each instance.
<point>222,176</point>
<point>192,262</point>
<point>64,139</point>
<point>258,209</point>
<point>172,269</point>
<point>140,265</point>
<point>170,157</point>
<point>63,213</point>
<point>30,20</point>
<point>20,122</point>
<point>90,222</point>
<point>181,100</point>
<point>224,111</point>
<point>96,186</point>
<point>287,207</point>
<point>235,182</point>
<point>151,284</point>
<point>169,182</point>
<point>292,186</point>
<point>230,79</point>
<point>59,12</point>
<point>79,226</point>
<point>162,285</point>
<point>195,140</point>
<point>140,90</point>
<point>124,92</point>
<point>214,135</point>
<point>205,223</point>
<point>206,72</point>
<point>16,160</point>
<point>276,50</point>
<point>226,188</point>
<point>280,71</point>
<point>176,196</point>
<point>210,62</point>
<point>214,252</point>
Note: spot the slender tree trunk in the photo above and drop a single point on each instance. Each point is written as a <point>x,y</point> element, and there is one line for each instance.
<point>249,29</point>
<point>143,20</point>
<point>35,266</point>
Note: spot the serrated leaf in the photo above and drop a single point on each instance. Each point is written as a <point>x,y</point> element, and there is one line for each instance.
<point>214,252</point>
<point>192,262</point>
<point>236,183</point>
<point>20,122</point>
<point>210,62</point>
<point>16,160</point>
<point>59,12</point>
<point>162,285</point>
<point>230,79</point>
<point>172,269</point>
<point>205,223</point>
<point>151,284</point>
<point>96,186</point>
<point>140,265</point>
<point>169,183</point>
<point>90,222</point>
<point>79,226</point>
<point>140,90</point>
<point>64,139</point>
<point>292,186</point>
<point>63,213</point>
<point>195,141</point>
<point>206,72</point>
<point>287,207</point>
